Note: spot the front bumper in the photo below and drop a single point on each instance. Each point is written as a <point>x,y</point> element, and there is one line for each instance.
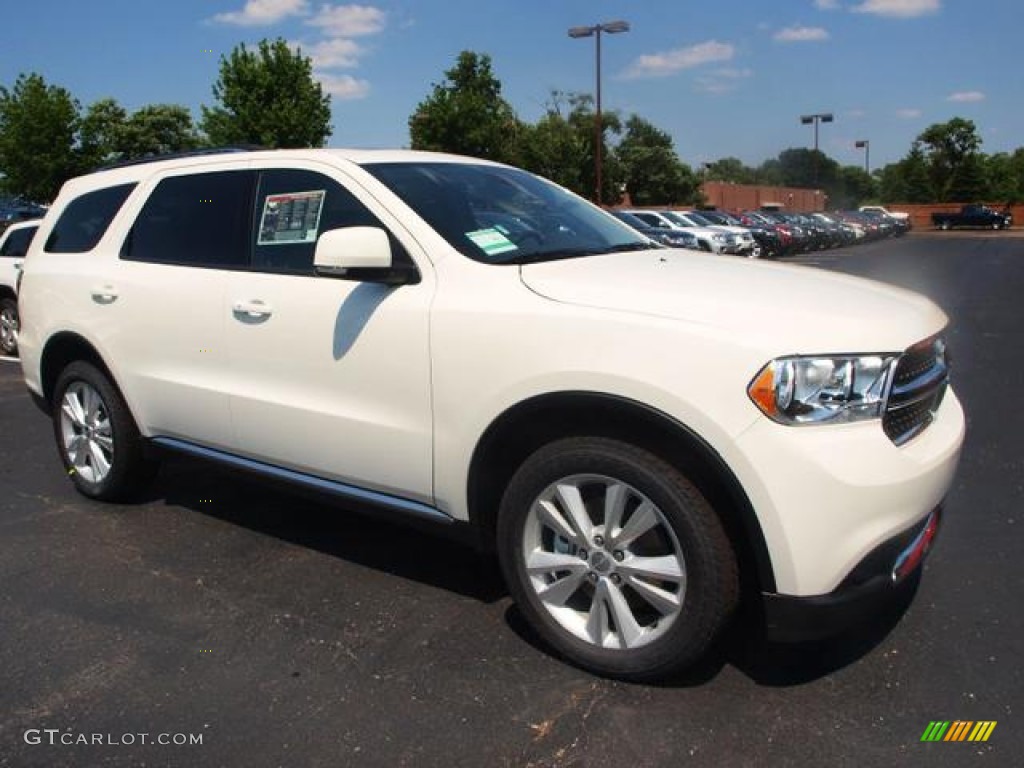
<point>883,579</point>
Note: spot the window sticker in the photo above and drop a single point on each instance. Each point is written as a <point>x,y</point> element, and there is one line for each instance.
<point>291,217</point>
<point>491,241</point>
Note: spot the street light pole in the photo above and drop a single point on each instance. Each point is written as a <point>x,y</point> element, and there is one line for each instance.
<point>612,28</point>
<point>866,146</point>
<point>821,117</point>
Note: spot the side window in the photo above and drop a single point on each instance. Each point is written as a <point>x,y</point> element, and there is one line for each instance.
<point>292,208</point>
<point>85,219</point>
<point>200,219</point>
<point>17,243</point>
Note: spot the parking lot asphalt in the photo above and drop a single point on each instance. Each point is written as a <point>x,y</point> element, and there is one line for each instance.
<point>288,633</point>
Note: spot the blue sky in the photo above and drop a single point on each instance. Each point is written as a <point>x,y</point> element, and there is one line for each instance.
<point>726,77</point>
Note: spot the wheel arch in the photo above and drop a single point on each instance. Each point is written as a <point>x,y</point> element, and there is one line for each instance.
<point>61,350</point>
<point>525,427</point>
<point>6,292</point>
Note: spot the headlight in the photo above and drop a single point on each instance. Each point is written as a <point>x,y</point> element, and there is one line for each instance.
<point>812,390</point>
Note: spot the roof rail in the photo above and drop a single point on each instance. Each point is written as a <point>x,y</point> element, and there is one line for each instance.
<point>178,155</point>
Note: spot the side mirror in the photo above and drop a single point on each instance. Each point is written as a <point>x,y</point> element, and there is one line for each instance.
<point>362,254</point>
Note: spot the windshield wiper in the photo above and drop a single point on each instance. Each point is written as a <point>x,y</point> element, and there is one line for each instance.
<point>574,253</point>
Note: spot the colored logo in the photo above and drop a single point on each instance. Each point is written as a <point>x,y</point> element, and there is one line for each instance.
<point>958,730</point>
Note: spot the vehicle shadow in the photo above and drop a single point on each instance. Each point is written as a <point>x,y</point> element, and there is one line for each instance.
<point>359,535</point>
<point>354,533</point>
<point>744,647</point>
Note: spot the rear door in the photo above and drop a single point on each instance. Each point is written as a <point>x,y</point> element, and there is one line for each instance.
<point>164,301</point>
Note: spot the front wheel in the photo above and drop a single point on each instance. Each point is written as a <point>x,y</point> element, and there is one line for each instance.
<point>615,558</point>
<point>9,326</point>
<point>97,438</point>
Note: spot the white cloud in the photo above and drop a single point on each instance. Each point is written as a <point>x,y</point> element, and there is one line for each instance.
<point>349,20</point>
<point>801,35</point>
<point>908,114</point>
<point>899,9</point>
<point>826,5</point>
<point>262,13</point>
<point>723,80</point>
<point>670,62</point>
<point>343,87</point>
<point>966,96</point>
<point>329,54</point>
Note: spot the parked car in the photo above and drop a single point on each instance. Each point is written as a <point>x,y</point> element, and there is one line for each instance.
<point>767,241</point>
<point>16,209</point>
<point>801,240</point>
<point>674,238</point>
<point>710,239</point>
<point>14,242</point>
<point>746,245</point>
<point>634,430</point>
<point>973,216</point>
<point>787,242</point>
<point>901,217</point>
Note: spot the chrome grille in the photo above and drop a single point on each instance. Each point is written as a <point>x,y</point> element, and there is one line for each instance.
<point>918,386</point>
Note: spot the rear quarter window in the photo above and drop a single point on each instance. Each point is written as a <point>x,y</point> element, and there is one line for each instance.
<point>85,219</point>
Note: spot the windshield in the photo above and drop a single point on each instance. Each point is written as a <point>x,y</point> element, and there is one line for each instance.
<point>699,219</point>
<point>501,215</point>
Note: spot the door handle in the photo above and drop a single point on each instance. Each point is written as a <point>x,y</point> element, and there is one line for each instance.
<point>253,308</point>
<point>104,294</point>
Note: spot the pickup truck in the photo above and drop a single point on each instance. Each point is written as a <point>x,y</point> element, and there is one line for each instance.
<point>973,216</point>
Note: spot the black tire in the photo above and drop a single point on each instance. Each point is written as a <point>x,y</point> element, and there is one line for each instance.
<point>103,418</point>
<point>705,598</point>
<point>9,325</point>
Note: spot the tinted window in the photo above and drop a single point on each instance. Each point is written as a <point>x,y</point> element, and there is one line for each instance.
<point>201,219</point>
<point>85,219</point>
<point>17,242</point>
<point>292,208</point>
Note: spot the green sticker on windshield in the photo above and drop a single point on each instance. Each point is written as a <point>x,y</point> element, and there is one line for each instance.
<point>491,241</point>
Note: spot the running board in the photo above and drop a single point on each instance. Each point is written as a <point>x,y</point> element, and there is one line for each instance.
<point>319,484</point>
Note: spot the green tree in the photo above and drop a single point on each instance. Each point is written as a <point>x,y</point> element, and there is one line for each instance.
<point>951,150</point>
<point>730,169</point>
<point>855,186</point>
<point>554,149</point>
<point>808,168</point>
<point>770,173</point>
<point>99,133</point>
<point>560,146</point>
<point>157,129</point>
<point>1005,175</point>
<point>654,175</point>
<point>466,113</point>
<point>268,97</point>
<point>38,123</point>
<point>968,182</point>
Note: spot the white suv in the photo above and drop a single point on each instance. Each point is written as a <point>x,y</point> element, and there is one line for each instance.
<point>464,343</point>
<point>14,244</point>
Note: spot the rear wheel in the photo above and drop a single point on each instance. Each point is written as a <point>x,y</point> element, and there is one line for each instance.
<point>615,558</point>
<point>97,437</point>
<point>9,326</point>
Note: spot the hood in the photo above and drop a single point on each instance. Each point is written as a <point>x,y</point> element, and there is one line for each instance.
<point>786,308</point>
